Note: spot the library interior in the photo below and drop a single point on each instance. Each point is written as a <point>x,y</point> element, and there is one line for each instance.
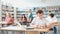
<point>29,16</point>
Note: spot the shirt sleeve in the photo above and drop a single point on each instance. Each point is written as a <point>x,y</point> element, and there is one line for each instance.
<point>55,19</point>
<point>47,22</point>
<point>34,20</point>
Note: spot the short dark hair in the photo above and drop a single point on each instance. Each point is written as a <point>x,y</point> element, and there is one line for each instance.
<point>39,11</point>
<point>52,15</point>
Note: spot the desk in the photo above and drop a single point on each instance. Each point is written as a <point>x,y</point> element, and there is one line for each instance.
<point>17,28</point>
<point>3,23</point>
<point>55,24</point>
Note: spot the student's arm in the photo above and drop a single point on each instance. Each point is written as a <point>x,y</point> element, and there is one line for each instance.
<point>33,23</point>
<point>54,21</point>
<point>48,24</point>
<point>51,24</point>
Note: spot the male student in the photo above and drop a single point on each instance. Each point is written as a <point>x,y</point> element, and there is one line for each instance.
<point>30,15</point>
<point>39,21</point>
<point>52,19</point>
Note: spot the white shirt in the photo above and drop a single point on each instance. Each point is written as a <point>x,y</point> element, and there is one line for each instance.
<point>29,14</point>
<point>37,21</point>
<point>51,20</point>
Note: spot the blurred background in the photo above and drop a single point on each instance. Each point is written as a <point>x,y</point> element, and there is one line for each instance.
<point>18,7</point>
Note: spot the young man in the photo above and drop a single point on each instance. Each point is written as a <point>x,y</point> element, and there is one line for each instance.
<point>30,15</point>
<point>39,21</point>
<point>52,19</point>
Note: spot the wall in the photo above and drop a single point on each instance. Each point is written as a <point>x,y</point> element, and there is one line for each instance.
<point>32,3</point>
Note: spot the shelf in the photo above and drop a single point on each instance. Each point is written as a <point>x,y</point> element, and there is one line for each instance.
<point>21,13</point>
<point>46,10</point>
<point>18,13</point>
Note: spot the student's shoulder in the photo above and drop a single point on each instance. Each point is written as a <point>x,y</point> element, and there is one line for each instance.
<point>45,19</point>
<point>54,16</point>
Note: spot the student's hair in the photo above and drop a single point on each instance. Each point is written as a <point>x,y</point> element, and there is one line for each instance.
<point>52,15</point>
<point>8,14</point>
<point>39,11</point>
<point>24,17</point>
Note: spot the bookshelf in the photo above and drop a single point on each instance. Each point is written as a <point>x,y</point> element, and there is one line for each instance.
<point>47,10</point>
<point>16,13</point>
<point>19,13</point>
<point>52,9</point>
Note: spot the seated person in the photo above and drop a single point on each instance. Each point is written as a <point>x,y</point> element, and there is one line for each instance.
<point>52,19</point>
<point>39,21</point>
<point>24,20</point>
<point>9,19</point>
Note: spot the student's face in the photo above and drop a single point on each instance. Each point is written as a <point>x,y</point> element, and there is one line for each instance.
<point>29,11</point>
<point>40,15</point>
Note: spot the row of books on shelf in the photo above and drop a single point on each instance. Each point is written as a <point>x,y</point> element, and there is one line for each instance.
<point>5,8</point>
